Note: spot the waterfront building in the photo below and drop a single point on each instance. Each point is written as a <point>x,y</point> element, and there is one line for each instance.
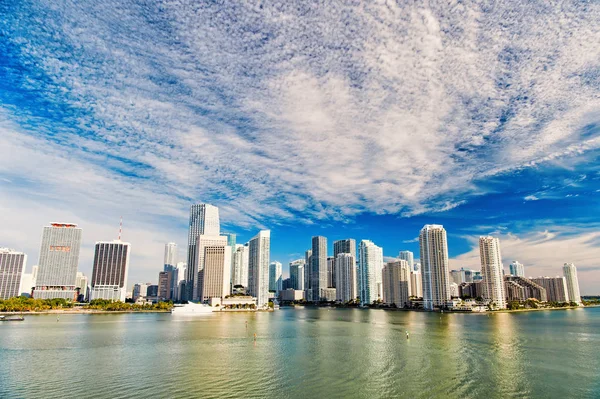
<point>307,274</point>
<point>330,272</point>
<point>81,284</point>
<point>396,283</point>
<point>110,269</point>
<point>327,294</point>
<point>291,294</point>
<point>152,293</point>
<point>215,279</point>
<point>470,290</point>
<point>204,220</point>
<point>407,256</point>
<point>491,271</point>
<point>346,246</point>
<point>165,281</point>
<point>258,267</point>
<point>556,288</point>
<point>28,281</point>
<point>416,283</point>
<point>570,273</point>
<point>297,268</point>
<point>434,261</point>
<point>530,289</point>
<point>370,265</point>
<point>345,265</point>
<point>58,262</point>
<point>240,265</point>
<point>517,269</point>
<point>203,241</point>
<point>275,277</point>
<point>12,266</point>
<point>140,290</point>
<point>318,267</point>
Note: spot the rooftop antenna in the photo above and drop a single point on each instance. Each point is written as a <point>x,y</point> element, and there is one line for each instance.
<point>120,227</point>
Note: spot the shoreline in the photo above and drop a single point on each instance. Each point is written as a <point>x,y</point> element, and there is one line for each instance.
<point>80,311</point>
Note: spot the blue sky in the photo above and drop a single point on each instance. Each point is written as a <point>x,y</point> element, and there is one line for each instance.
<point>339,119</point>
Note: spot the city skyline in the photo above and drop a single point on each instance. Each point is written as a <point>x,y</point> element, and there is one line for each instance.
<point>356,124</point>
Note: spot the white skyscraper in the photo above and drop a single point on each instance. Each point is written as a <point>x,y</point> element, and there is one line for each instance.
<point>396,283</point>
<point>370,265</point>
<point>12,266</point>
<point>517,269</point>
<point>170,260</point>
<point>345,265</point>
<point>275,277</point>
<point>318,267</point>
<point>59,258</point>
<point>204,220</point>
<point>434,266</point>
<point>407,256</point>
<point>110,269</point>
<point>491,270</point>
<point>570,273</point>
<point>297,268</point>
<point>240,265</point>
<point>258,267</point>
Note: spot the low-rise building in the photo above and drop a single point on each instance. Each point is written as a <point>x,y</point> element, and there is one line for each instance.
<point>291,295</point>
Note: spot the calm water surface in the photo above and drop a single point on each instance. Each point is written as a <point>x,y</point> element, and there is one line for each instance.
<point>303,353</point>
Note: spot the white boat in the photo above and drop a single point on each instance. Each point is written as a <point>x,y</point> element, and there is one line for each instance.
<point>193,308</point>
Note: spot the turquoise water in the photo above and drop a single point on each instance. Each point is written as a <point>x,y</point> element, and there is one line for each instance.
<point>303,353</point>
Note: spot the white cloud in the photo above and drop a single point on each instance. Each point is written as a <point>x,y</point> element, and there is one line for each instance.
<point>531,198</point>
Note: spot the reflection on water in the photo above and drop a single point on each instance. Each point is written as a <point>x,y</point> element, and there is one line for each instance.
<point>304,353</point>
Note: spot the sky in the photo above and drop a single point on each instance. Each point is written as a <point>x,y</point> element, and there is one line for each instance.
<point>344,119</point>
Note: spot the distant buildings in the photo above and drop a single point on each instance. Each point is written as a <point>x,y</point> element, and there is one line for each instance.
<point>28,281</point>
<point>275,277</point>
<point>82,284</point>
<point>345,265</point>
<point>491,271</point>
<point>570,273</point>
<point>165,281</point>
<point>12,266</point>
<point>396,283</point>
<point>318,267</point>
<point>517,269</point>
<point>240,266</point>
<point>179,278</point>
<point>171,255</point>
<point>110,269</point>
<point>297,269</point>
<point>434,262</point>
<point>556,288</point>
<point>258,267</point>
<point>59,259</point>
<point>140,291</point>
<point>521,289</point>
<point>408,257</point>
<point>370,265</point>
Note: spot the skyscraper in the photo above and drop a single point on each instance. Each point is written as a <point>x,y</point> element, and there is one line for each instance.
<point>345,266</point>
<point>370,265</point>
<point>204,241</point>
<point>556,288</point>
<point>110,269</point>
<point>491,270</point>
<point>59,258</point>
<point>258,267</point>
<point>231,243</point>
<point>240,265</point>
<point>307,274</point>
<point>330,272</point>
<point>179,278</point>
<point>318,267</point>
<point>407,256</point>
<point>416,283</point>
<point>434,266</point>
<point>204,219</point>
<point>297,268</point>
<point>517,269</point>
<point>396,283</point>
<point>170,260</point>
<point>346,246</point>
<point>165,282</point>
<point>570,273</point>
<point>12,266</point>
<point>215,275</point>
<point>275,277</point>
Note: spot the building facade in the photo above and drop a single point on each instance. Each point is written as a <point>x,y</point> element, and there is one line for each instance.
<point>307,274</point>
<point>318,267</point>
<point>215,275</point>
<point>12,266</point>
<point>204,220</point>
<point>297,268</point>
<point>258,267</point>
<point>407,256</point>
<point>517,269</point>
<point>556,288</point>
<point>59,259</point>
<point>275,277</point>
<point>570,273</point>
<point>240,265</point>
<point>434,265</point>
<point>491,271</point>
<point>416,283</point>
<point>110,270</point>
<point>346,246</point>
<point>396,283</point>
<point>370,265</point>
<point>345,265</point>
<point>522,289</point>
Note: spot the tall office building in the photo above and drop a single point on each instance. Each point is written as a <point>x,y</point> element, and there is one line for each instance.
<point>370,265</point>
<point>346,246</point>
<point>307,274</point>
<point>82,283</point>
<point>407,256</point>
<point>396,283</point>
<point>275,277</point>
<point>240,265</point>
<point>330,272</point>
<point>215,275</point>
<point>12,266</point>
<point>297,268</point>
<point>434,263</point>
<point>258,267</point>
<point>416,283</point>
<point>491,271</point>
<point>110,269</point>
<point>345,266</point>
<point>517,269</point>
<point>171,255</point>
<point>59,258</point>
<point>318,267</point>
<point>203,242</point>
<point>570,273</point>
<point>556,288</point>
<point>204,220</point>
<point>165,282</point>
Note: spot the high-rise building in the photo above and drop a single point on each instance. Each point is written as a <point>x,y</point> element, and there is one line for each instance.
<point>81,283</point>
<point>214,276</point>
<point>204,220</point>
<point>491,271</point>
<point>318,267</point>
<point>297,268</point>
<point>12,266</point>
<point>345,266</point>
<point>346,246</point>
<point>275,277</point>
<point>231,243</point>
<point>517,269</point>
<point>240,265</point>
<point>434,262</point>
<point>179,278</point>
<point>521,288</point>
<point>203,242</point>
<point>416,284</point>
<point>258,267</point>
<point>570,273</point>
<point>171,255</point>
<point>556,288</point>
<point>396,283</point>
<point>28,281</point>
<point>165,282</point>
<point>59,258</point>
<point>407,256</point>
<point>110,269</point>
<point>370,265</point>
<point>307,274</point>
<point>330,272</point>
